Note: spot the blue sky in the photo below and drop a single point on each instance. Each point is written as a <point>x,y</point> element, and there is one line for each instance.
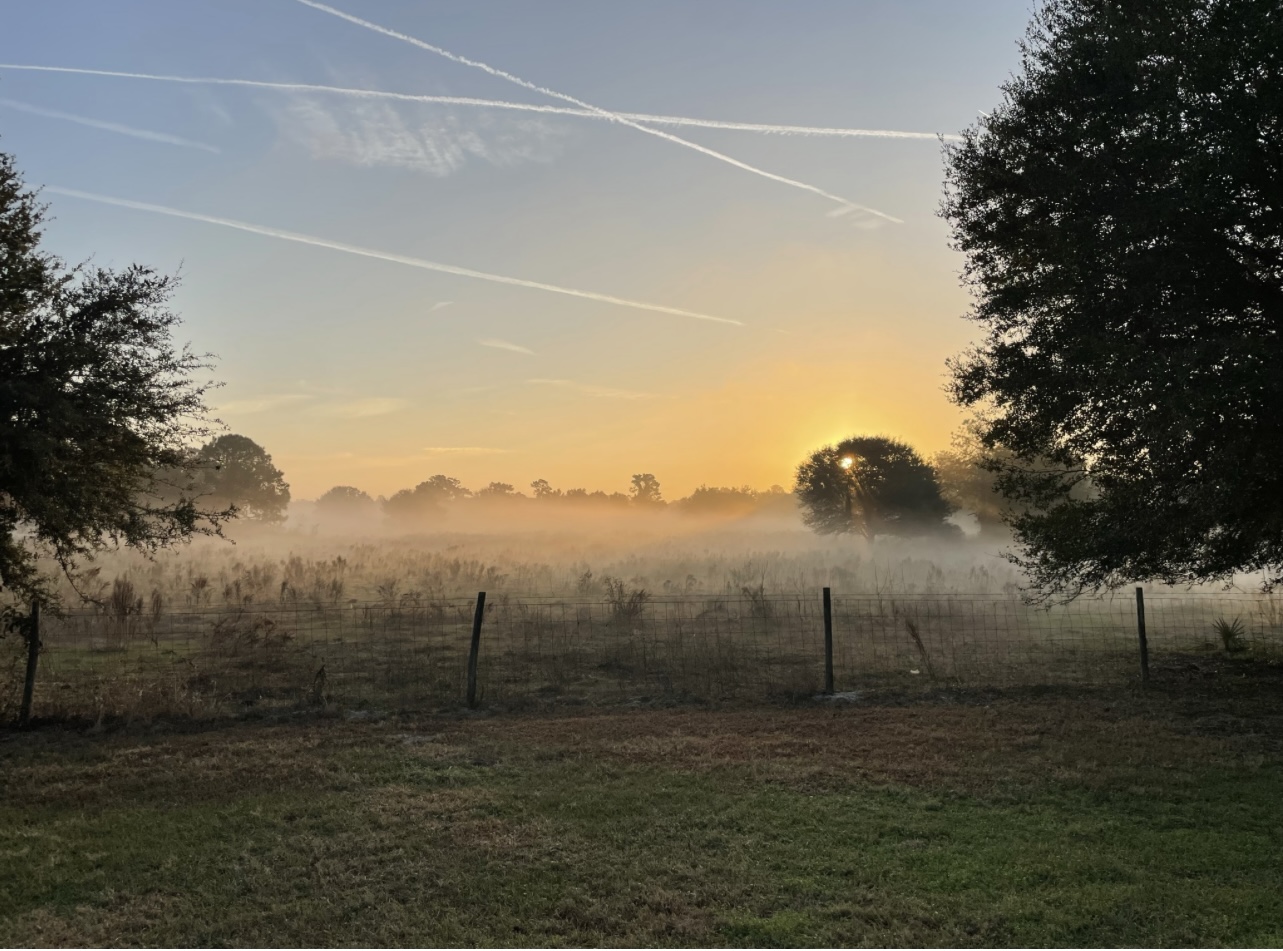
<point>357,370</point>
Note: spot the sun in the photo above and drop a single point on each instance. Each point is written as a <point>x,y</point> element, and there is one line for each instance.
<point>846,462</point>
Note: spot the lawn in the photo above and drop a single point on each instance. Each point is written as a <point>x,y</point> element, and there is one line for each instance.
<point>967,819</point>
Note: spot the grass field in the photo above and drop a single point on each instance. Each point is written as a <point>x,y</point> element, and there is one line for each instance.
<point>1083,818</point>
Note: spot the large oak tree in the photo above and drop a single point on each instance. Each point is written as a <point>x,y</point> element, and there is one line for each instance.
<point>1121,213</point>
<point>99,410</point>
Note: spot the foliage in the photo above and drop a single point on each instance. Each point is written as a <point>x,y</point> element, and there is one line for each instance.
<point>98,409</point>
<point>626,604</point>
<point>967,482</point>
<point>645,490</point>
<point>1121,213</point>
<point>499,490</point>
<point>236,471</point>
<point>871,485</point>
<point>1231,634</point>
<point>716,500</point>
<point>543,489</point>
<point>425,501</point>
<point>345,502</point>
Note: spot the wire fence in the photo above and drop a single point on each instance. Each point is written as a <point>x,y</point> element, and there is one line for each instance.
<point>412,653</point>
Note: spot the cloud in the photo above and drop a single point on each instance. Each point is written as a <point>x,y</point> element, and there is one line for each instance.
<point>588,389</point>
<point>262,404</point>
<point>765,128</point>
<point>362,408</point>
<point>382,255</point>
<point>865,210</point>
<point>371,133</point>
<point>146,134</point>
<point>439,305</point>
<point>463,450</point>
<point>505,345</point>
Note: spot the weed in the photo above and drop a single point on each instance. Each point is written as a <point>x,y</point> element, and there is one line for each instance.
<point>625,604</point>
<point>1231,634</point>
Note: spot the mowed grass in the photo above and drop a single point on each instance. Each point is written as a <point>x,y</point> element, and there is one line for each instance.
<point>1063,820</point>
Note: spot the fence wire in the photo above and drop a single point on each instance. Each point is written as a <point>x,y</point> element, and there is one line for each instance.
<point>412,653</point>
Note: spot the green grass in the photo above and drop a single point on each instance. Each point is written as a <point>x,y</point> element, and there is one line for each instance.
<point>1058,822</point>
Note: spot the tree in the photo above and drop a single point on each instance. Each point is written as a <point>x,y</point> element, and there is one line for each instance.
<point>236,471</point>
<point>1121,213</point>
<point>499,490</point>
<point>871,485</point>
<point>968,480</point>
<point>720,501</point>
<point>543,489</point>
<point>99,411</point>
<point>346,502</point>
<point>645,490</point>
<point>426,500</point>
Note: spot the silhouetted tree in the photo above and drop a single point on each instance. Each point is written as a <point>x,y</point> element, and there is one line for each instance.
<point>543,490</point>
<point>236,471</point>
<point>967,480</point>
<point>346,502</point>
<point>719,501</point>
<point>871,485</point>
<point>99,410</point>
<point>499,490</point>
<point>1121,212</point>
<point>427,500</point>
<point>645,490</point>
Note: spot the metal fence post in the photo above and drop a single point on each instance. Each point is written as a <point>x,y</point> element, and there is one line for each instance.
<point>1140,633</point>
<point>33,657</point>
<point>828,641</point>
<point>476,647</point>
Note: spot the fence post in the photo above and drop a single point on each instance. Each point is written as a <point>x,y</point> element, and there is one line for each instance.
<point>1140,633</point>
<point>828,641</point>
<point>33,657</point>
<point>476,647</point>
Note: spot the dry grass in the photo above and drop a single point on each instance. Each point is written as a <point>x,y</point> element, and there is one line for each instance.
<point>979,819</point>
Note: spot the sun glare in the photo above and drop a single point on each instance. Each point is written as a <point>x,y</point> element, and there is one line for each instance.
<point>846,462</point>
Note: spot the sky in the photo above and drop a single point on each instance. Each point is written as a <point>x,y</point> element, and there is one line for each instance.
<point>396,288</point>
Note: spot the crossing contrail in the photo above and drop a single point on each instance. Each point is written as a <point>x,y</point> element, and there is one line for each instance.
<point>764,128</point>
<point>603,113</point>
<point>116,127</point>
<point>383,255</point>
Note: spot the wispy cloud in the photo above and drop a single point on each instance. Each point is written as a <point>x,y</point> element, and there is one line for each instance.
<point>463,450</point>
<point>604,113</point>
<point>765,128</point>
<point>505,345</point>
<point>360,409</point>
<point>382,255</point>
<point>439,305</point>
<point>371,133</point>
<point>588,389</point>
<point>262,404</point>
<point>146,134</point>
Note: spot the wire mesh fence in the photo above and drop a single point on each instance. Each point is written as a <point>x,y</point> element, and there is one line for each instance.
<point>412,653</point>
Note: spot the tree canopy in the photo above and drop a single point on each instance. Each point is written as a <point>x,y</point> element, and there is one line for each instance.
<point>1121,213</point>
<point>99,410</point>
<point>236,471</point>
<point>871,485</point>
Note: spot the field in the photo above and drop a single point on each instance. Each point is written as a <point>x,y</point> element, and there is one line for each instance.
<point>968,818</point>
<point>289,621</point>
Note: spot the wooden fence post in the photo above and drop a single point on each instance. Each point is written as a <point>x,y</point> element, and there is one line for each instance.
<point>33,657</point>
<point>1140,633</point>
<point>476,647</point>
<point>828,641</point>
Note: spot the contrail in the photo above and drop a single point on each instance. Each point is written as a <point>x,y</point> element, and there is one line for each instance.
<point>384,255</point>
<point>603,113</point>
<point>116,127</point>
<point>762,127</point>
